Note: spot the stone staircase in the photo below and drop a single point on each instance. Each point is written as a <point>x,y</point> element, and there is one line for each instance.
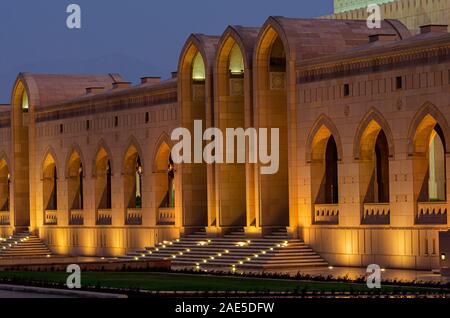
<point>23,245</point>
<point>234,251</point>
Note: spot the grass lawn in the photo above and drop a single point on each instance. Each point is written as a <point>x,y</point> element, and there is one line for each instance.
<point>182,282</point>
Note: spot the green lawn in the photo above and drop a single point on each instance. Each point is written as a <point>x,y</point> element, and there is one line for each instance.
<point>182,282</point>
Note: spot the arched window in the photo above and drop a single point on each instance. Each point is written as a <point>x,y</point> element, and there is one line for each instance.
<point>198,69</point>
<point>324,167</point>
<point>103,174</point>
<point>331,172</point>
<point>236,62</point>
<point>171,187</point>
<point>436,162</point>
<point>75,181</point>
<point>138,180</point>
<point>108,186</point>
<point>81,187</point>
<point>277,57</point>
<point>25,103</point>
<point>50,185</point>
<point>429,161</point>
<point>381,165</point>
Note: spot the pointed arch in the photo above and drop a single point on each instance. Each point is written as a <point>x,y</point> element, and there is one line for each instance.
<point>198,43</point>
<point>235,35</point>
<point>102,147</point>
<point>75,174</point>
<point>373,116</point>
<point>267,36</point>
<point>162,140</point>
<point>49,157</point>
<point>50,180</point>
<point>323,125</point>
<point>74,149</point>
<point>133,146</point>
<point>428,112</point>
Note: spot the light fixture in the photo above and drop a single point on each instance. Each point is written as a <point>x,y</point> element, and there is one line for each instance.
<point>443,256</point>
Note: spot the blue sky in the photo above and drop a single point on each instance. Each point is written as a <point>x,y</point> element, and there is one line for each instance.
<point>135,37</point>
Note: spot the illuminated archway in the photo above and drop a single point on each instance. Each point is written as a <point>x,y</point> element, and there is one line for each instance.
<point>164,171</point>
<point>22,103</point>
<point>132,178</point>
<point>374,164</point>
<point>5,186</point>
<point>324,167</point>
<point>103,180</point>
<point>429,166</point>
<point>49,184</point>
<point>75,181</point>
<point>230,106</point>
<point>270,73</point>
<point>195,99</point>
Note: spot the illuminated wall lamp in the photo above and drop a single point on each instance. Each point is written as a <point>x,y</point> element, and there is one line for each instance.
<point>443,256</point>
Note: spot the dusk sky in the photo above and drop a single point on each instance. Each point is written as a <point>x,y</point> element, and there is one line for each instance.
<point>135,37</point>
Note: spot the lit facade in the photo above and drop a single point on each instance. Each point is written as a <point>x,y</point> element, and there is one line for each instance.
<point>363,119</point>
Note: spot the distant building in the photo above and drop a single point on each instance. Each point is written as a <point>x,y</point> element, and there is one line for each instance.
<point>348,5</point>
<point>413,13</point>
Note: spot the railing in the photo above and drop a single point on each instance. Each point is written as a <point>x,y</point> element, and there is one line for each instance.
<point>431,213</point>
<point>51,217</point>
<point>4,218</point>
<point>166,216</point>
<point>326,214</point>
<point>76,217</point>
<point>134,217</point>
<point>104,217</point>
<point>376,214</point>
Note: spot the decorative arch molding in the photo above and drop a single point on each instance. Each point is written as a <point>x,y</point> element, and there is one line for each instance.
<point>373,115</point>
<point>75,148</point>
<point>272,28</point>
<point>323,121</point>
<point>23,84</point>
<point>428,109</point>
<point>132,142</point>
<point>195,43</point>
<point>232,33</point>
<point>163,139</point>
<point>102,145</point>
<point>49,152</point>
